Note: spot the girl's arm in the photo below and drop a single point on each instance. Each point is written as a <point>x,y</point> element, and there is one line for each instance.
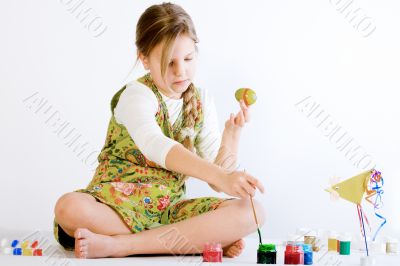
<point>220,175</point>
<point>234,183</point>
<point>227,154</point>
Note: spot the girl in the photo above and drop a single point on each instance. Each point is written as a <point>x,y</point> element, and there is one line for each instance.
<point>162,129</point>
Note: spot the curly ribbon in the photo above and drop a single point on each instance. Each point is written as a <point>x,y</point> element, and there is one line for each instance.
<point>374,189</point>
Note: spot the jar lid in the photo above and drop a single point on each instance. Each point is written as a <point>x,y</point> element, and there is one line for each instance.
<point>212,246</point>
<point>294,248</point>
<point>307,248</point>
<point>266,247</point>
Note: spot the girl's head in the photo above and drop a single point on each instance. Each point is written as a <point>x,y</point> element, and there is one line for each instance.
<point>166,44</point>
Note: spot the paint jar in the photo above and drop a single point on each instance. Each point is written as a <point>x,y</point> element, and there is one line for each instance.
<point>308,254</point>
<point>294,254</point>
<point>391,245</point>
<point>311,238</point>
<point>17,251</point>
<point>332,242</point>
<point>344,246</point>
<point>266,254</point>
<point>212,252</point>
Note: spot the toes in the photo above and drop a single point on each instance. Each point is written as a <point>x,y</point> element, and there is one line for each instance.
<point>239,243</point>
<point>81,233</point>
<point>83,243</point>
<point>235,251</point>
<point>83,249</point>
<point>80,254</point>
<point>229,254</point>
<point>232,252</point>
<point>83,254</point>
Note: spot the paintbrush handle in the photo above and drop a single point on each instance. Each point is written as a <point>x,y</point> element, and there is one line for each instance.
<point>254,210</point>
<point>255,217</point>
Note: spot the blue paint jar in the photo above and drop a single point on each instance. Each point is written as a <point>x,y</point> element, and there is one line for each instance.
<point>308,254</point>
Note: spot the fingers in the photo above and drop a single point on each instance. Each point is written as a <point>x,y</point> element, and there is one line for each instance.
<point>232,118</point>
<point>255,182</point>
<point>243,193</point>
<point>244,187</point>
<point>245,110</point>
<point>248,188</point>
<point>239,119</point>
<point>242,116</point>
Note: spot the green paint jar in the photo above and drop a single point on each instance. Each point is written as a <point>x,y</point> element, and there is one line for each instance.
<point>266,254</point>
<point>344,244</point>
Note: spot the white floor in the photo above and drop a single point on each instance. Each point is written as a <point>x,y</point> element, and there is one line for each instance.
<point>56,256</point>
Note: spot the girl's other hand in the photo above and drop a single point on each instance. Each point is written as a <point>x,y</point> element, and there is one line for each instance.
<point>239,184</point>
<point>235,123</point>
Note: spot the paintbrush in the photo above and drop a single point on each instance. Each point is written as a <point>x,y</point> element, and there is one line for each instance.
<point>255,218</point>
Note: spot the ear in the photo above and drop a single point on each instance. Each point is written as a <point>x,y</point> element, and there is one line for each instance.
<point>144,60</point>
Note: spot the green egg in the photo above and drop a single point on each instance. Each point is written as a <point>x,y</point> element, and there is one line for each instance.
<point>248,95</point>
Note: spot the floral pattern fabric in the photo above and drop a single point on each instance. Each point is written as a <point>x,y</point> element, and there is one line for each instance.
<point>144,194</point>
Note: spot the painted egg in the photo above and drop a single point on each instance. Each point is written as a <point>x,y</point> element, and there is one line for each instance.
<point>248,95</point>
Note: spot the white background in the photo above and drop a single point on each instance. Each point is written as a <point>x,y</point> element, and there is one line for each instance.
<point>284,50</point>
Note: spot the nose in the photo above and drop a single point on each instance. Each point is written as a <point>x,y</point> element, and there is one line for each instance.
<point>179,69</point>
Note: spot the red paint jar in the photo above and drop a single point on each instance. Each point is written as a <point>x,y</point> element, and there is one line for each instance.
<point>294,254</point>
<point>212,252</point>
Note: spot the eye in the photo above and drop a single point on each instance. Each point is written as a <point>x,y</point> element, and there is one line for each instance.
<point>171,63</point>
<point>188,59</point>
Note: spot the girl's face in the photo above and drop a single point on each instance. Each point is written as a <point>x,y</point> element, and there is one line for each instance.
<point>180,70</point>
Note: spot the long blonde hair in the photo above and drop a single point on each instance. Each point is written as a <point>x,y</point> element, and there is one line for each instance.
<point>164,23</point>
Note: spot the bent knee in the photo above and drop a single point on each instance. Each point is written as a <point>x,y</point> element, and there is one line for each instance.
<point>70,205</point>
<point>245,207</point>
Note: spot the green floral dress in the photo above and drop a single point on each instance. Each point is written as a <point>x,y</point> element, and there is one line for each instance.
<point>143,193</point>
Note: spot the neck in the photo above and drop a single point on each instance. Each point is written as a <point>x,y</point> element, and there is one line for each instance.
<point>175,96</point>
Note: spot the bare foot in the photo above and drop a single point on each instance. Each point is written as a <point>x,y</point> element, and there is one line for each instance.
<point>90,245</point>
<point>234,249</point>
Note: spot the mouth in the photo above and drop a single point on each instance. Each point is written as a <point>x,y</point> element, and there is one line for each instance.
<point>181,82</point>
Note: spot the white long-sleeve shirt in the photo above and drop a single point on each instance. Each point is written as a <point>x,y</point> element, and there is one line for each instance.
<point>136,110</point>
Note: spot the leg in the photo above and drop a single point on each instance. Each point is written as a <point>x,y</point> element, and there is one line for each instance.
<point>80,210</point>
<point>232,221</point>
<point>189,208</point>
